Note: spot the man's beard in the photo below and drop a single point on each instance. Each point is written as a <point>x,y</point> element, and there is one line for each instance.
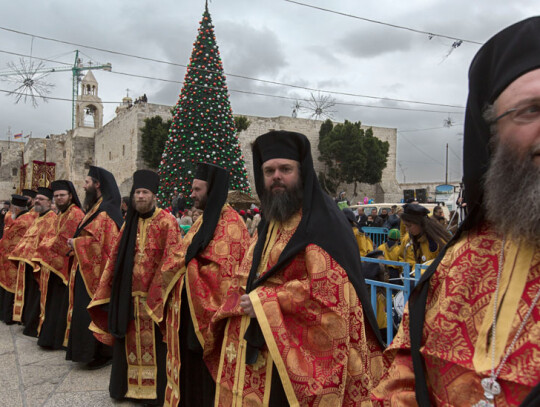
<point>143,206</point>
<point>512,194</point>
<point>63,208</point>
<point>282,205</point>
<point>201,203</point>
<point>39,209</point>
<point>90,198</point>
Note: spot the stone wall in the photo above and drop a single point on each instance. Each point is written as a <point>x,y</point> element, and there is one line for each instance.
<point>10,162</point>
<point>118,143</point>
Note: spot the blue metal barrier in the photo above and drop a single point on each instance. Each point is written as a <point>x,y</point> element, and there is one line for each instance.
<point>377,235</point>
<point>390,288</point>
<point>418,270</point>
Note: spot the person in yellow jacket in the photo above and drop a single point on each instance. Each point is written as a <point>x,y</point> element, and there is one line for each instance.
<point>426,236</point>
<point>392,251</point>
<point>365,245</point>
<point>378,272</point>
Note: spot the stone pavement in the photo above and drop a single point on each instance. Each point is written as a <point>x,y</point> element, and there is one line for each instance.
<point>32,377</point>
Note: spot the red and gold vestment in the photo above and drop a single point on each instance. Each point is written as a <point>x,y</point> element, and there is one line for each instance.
<point>156,237</point>
<point>24,253</point>
<point>208,277</point>
<point>457,329</point>
<point>52,252</point>
<point>92,249</point>
<point>313,327</point>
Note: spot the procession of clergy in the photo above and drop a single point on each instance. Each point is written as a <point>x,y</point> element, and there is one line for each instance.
<point>218,318</point>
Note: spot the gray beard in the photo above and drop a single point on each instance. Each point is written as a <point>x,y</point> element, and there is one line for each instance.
<point>512,194</point>
<point>281,206</point>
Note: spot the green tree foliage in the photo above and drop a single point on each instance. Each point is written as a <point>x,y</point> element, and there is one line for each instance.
<point>351,155</point>
<point>242,123</point>
<point>154,135</point>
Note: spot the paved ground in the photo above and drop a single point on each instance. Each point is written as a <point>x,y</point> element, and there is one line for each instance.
<point>31,376</point>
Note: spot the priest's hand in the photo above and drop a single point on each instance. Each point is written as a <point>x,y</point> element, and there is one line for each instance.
<point>70,243</point>
<point>247,306</point>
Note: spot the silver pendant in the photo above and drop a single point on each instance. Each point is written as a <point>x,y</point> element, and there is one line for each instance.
<point>491,389</point>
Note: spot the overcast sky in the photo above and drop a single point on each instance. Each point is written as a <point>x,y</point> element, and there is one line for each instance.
<point>276,41</point>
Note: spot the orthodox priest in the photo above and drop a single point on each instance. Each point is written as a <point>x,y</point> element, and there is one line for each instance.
<point>21,220</point>
<point>471,337</point>
<point>55,258</point>
<point>92,245</point>
<point>304,333</point>
<point>27,294</point>
<point>118,310</point>
<point>212,251</point>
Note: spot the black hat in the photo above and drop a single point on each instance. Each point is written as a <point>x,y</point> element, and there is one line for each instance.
<point>94,172</point>
<point>60,185</point>
<point>415,210</point>
<point>205,171</point>
<point>146,179</point>
<point>19,200</point>
<point>279,144</point>
<point>45,192</point>
<point>29,192</point>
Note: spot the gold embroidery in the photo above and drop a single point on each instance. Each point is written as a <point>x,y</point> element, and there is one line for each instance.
<point>231,353</point>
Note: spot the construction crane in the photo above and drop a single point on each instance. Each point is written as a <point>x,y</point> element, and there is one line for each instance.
<point>76,70</point>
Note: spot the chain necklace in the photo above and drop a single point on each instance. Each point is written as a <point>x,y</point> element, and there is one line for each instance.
<point>490,385</point>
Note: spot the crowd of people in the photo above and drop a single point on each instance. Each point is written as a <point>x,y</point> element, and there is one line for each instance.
<point>270,307</point>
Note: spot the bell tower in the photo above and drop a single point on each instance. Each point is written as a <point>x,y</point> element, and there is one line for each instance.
<point>89,111</point>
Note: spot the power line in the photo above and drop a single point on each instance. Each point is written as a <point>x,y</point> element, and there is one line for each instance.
<point>429,128</point>
<point>240,91</point>
<point>369,20</point>
<point>422,151</point>
<point>232,75</point>
<point>453,152</point>
<point>258,93</point>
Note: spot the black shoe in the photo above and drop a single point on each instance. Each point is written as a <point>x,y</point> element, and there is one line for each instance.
<point>98,363</point>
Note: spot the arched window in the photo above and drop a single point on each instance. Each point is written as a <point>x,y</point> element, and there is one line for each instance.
<point>90,116</point>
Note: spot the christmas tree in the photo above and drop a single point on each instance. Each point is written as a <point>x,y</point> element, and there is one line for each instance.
<point>203,128</point>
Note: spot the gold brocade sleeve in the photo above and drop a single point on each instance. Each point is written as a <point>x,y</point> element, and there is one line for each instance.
<point>93,249</point>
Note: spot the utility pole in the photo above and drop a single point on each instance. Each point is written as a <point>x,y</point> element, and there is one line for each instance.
<point>446,173</point>
<point>402,172</point>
